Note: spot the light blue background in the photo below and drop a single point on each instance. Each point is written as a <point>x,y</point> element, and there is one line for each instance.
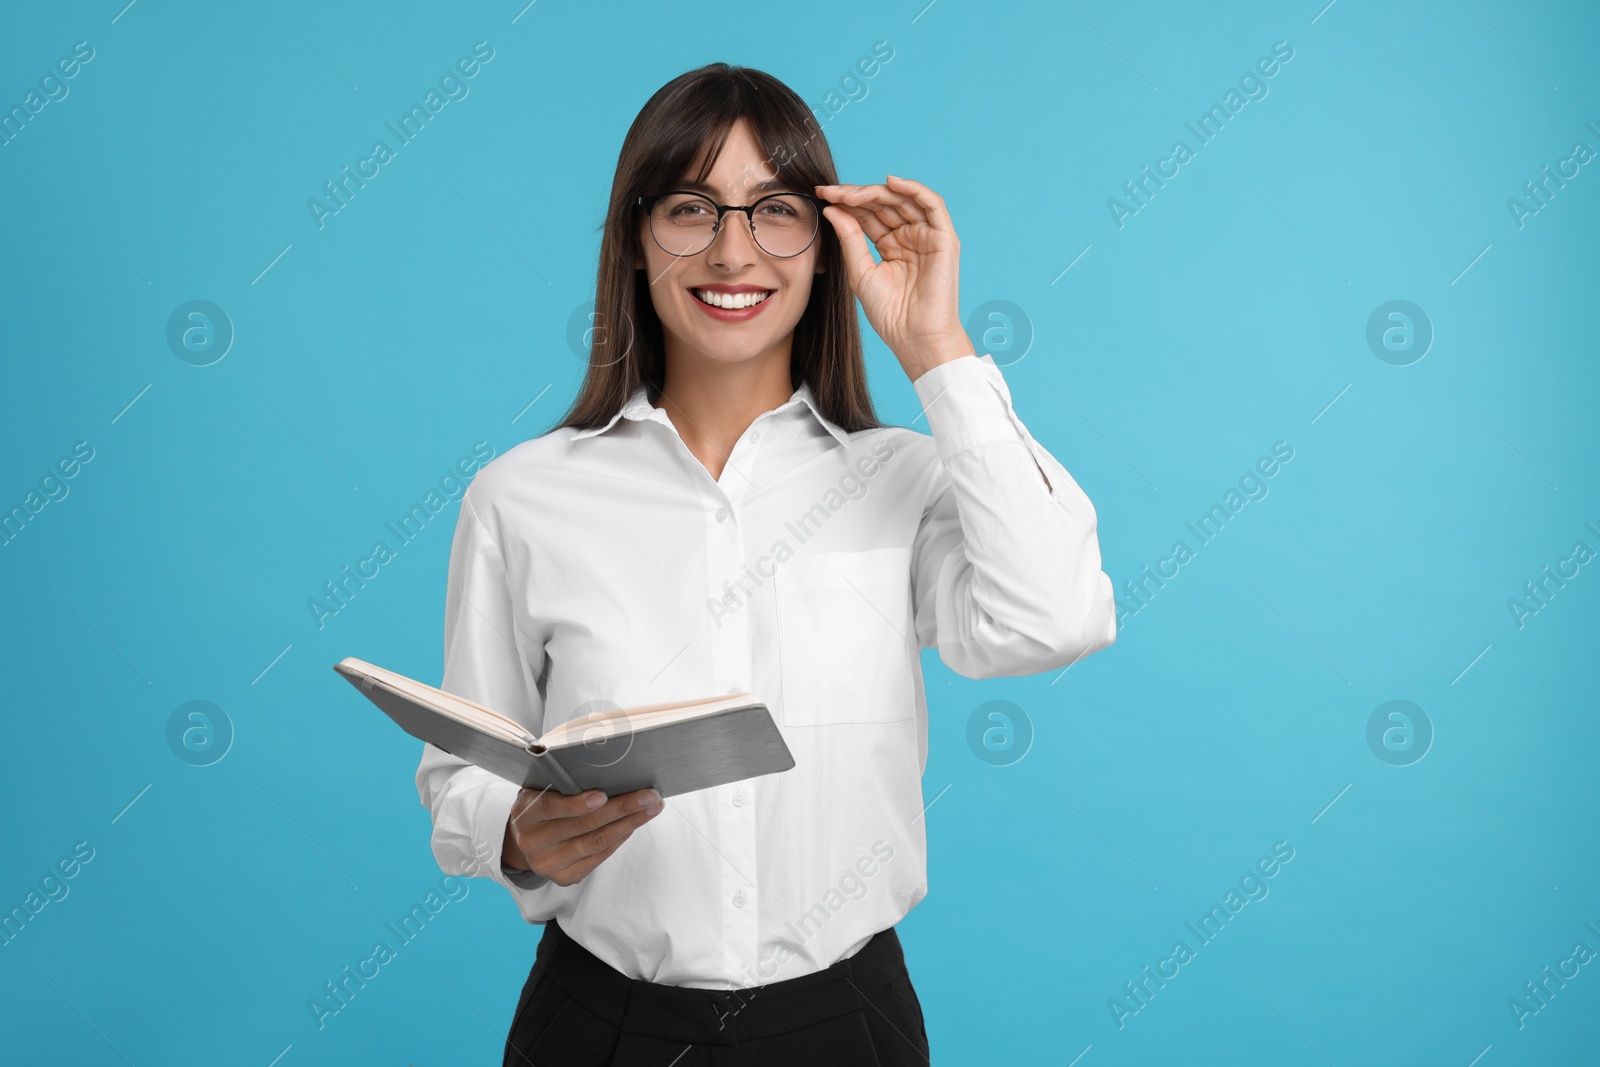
<point>1225,316</point>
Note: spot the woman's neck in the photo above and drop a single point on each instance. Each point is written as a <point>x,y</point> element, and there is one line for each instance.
<point>712,402</point>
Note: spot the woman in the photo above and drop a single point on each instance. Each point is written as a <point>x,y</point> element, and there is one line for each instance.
<point>721,511</point>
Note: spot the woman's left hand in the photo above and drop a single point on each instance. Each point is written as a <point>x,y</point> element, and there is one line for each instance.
<point>910,297</point>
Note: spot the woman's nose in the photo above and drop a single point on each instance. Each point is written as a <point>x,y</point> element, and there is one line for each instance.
<point>733,249</point>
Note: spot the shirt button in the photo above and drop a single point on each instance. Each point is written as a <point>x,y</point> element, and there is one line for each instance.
<point>722,514</point>
<point>755,436</point>
<point>738,799</point>
<point>739,899</point>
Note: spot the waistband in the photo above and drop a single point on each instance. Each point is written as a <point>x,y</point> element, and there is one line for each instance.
<point>720,1017</point>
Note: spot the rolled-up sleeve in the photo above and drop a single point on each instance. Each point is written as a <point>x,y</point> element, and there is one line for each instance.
<point>489,661</point>
<point>1005,569</point>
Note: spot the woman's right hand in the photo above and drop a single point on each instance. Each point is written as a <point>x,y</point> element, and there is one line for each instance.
<point>564,838</point>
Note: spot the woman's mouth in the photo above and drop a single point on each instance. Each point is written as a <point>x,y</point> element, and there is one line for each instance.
<point>731,307</point>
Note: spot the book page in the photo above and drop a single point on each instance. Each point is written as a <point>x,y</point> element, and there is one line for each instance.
<point>643,717</point>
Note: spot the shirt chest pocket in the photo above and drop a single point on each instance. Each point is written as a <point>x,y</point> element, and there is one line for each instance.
<point>844,637</point>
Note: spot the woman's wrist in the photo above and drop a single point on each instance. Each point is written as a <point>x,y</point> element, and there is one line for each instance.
<point>938,351</point>
<point>511,854</point>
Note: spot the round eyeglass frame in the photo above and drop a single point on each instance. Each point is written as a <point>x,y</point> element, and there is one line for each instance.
<point>649,202</point>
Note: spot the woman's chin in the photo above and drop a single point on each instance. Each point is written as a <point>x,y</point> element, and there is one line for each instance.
<point>728,344</point>
<point>728,353</point>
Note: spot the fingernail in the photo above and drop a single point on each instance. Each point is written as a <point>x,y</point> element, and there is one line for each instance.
<point>595,800</point>
<point>649,797</point>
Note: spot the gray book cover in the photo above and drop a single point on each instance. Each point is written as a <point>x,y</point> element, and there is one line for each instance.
<point>728,745</point>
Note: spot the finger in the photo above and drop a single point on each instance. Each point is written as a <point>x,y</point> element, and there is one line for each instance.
<point>582,847</point>
<point>852,244</point>
<point>620,807</point>
<point>527,811</point>
<point>886,212</point>
<point>642,798</point>
<point>893,199</point>
<point>547,816</point>
<point>931,203</point>
<point>869,222</point>
<point>556,830</point>
<point>894,207</point>
<point>886,219</point>
<point>549,804</point>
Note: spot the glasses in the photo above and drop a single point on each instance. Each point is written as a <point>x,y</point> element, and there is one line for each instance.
<point>685,224</point>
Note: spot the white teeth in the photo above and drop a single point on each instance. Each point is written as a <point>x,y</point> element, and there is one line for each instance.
<point>730,300</point>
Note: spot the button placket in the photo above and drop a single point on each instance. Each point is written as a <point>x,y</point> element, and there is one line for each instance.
<point>733,825</point>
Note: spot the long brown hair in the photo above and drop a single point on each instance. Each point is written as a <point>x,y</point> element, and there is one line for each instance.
<point>693,111</point>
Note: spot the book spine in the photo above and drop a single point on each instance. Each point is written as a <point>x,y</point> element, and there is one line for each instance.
<point>558,774</point>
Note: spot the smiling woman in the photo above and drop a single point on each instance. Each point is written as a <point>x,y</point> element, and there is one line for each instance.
<point>708,458</point>
<point>660,247</point>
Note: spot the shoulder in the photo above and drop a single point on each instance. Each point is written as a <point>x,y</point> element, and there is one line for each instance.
<point>517,479</point>
<point>899,446</point>
<point>888,440</point>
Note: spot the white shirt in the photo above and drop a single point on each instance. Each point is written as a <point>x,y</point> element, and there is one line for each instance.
<point>608,565</point>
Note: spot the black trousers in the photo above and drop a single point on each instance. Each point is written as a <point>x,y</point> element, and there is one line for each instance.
<point>578,1011</point>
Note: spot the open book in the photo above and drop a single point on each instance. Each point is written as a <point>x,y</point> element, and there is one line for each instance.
<point>675,748</point>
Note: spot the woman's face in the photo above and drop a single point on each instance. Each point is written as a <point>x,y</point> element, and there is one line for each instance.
<point>733,262</point>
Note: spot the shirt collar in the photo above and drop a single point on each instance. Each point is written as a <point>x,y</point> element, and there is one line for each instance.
<point>639,408</point>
